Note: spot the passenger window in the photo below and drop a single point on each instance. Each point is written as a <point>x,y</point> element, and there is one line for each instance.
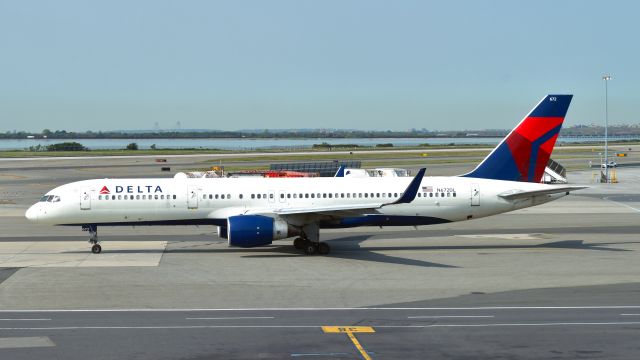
<point>366,195</point>
<point>137,197</point>
<point>281,196</point>
<point>324,195</point>
<point>313,196</point>
<point>448,194</point>
<point>441,194</point>
<point>119,197</point>
<point>377,195</point>
<point>240,196</point>
<point>454,194</point>
<point>222,196</point>
<point>430,194</point>
<point>99,197</point>
<point>156,197</point>
<point>210,196</point>
<point>330,195</point>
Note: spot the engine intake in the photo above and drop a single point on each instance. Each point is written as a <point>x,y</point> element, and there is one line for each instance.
<point>256,230</point>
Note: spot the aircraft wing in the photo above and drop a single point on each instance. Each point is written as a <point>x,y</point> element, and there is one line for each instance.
<point>521,194</point>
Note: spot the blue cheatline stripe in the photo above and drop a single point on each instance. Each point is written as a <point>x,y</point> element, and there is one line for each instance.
<point>535,147</point>
<point>381,220</point>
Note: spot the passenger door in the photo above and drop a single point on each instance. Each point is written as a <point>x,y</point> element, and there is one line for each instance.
<point>192,197</point>
<point>475,195</point>
<point>85,199</point>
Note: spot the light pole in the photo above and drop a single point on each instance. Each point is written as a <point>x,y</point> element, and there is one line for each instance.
<point>606,79</point>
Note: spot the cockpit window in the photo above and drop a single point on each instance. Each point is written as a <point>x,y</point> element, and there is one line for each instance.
<point>50,198</point>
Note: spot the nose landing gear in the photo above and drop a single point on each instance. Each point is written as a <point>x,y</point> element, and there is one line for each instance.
<point>93,238</point>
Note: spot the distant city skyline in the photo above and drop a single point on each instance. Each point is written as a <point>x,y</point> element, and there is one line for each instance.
<point>367,65</point>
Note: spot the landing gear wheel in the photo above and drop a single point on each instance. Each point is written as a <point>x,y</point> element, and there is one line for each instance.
<point>310,248</point>
<point>298,243</point>
<point>323,248</point>
<point>96,249</point>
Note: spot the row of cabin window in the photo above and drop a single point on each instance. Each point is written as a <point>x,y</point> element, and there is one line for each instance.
<point>336,195</point>
<point>326,195</point>
<point>437,195</point>
<point>218,196</point>
<point>137,197</point>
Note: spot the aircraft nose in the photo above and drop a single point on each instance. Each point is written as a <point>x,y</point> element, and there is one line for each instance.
<point>33,212</point>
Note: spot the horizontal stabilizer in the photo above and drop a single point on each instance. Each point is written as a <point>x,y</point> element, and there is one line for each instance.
<point>520,194</point>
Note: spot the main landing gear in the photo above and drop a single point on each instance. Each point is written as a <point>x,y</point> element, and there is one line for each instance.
<point>310,247</point>
<point>93,238</point>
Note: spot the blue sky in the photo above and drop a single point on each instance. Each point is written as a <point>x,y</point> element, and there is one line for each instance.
<point>83,65</point>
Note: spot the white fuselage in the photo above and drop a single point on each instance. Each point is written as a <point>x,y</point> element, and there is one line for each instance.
<point>212,200</point>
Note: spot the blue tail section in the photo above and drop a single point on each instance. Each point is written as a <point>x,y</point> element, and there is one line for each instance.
<point>524,153</point>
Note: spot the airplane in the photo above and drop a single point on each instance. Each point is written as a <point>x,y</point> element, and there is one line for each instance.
<point>251,212</point>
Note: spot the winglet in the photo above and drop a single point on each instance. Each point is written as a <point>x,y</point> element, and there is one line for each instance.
<point>340,172</point>
<point>412,190</point>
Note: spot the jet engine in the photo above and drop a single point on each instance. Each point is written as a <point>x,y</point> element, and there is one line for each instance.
<point>256,230</point>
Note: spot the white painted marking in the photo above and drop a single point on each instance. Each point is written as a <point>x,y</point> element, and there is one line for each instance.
<point>450,316</point>
<point>25,342</point>
<point>587,307</point>
<point>177,327</point>
<point>623,204</point>
<point>232,318</point>
<point>25,319</point>
<point>629,314</point>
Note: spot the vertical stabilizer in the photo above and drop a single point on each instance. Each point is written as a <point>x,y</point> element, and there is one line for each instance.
<point>524,153</point>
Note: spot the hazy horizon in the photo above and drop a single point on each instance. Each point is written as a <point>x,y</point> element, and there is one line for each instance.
<point>369,65</point>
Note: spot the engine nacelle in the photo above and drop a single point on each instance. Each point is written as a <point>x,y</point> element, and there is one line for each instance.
<point>256,230</point>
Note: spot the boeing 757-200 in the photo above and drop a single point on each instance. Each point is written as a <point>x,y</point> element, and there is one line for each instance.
<point>252,212</point>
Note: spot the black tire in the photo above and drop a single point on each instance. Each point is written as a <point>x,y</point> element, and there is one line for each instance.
<point>298,243</point>
<point>310,248</point>
<point>96,249</point>
<point>323,248</point>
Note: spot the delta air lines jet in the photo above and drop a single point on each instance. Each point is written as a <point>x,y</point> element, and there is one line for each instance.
<point>252,212</point>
